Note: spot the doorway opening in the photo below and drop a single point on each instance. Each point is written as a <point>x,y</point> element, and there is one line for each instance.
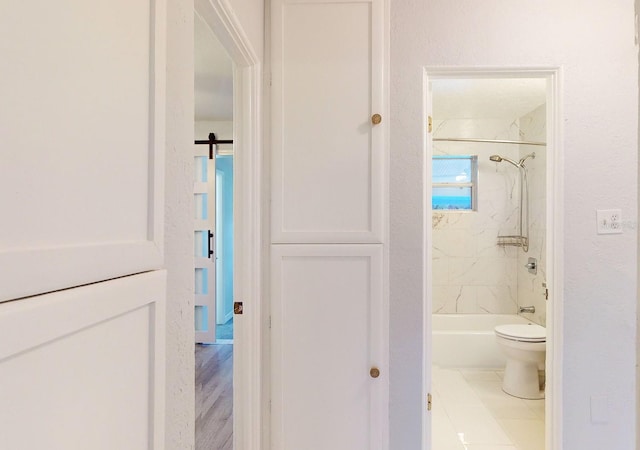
<point>249,405</point>
<point>214,243</point>
<point>491,194</point>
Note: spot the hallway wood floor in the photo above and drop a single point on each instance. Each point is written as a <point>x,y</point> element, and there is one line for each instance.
<point>214,397</point>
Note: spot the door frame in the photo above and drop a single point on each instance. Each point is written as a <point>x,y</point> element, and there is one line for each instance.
<point>247,210</point>
<point>554,244</point>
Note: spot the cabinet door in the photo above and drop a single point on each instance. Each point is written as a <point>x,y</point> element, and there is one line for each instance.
<point>328,155</point>
<point>328,333</point>
<point>81,121</point>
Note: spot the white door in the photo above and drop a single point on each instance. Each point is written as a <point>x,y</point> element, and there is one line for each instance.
<point>81,199</point>
<point>204,189</point>
<point>330,374</point>
<point>82,126</point>
<point>83,368</point>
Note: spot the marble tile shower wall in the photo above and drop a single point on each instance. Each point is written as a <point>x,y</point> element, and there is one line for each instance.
<point>471,273</point>
<point>530,287</point>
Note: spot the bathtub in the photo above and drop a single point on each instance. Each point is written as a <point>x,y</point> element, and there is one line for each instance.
<point>468,340</point>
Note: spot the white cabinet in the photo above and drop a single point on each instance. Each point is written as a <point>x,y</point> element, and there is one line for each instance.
<point>81,120</point>
<point>328,333</point>
<point>328,156</point>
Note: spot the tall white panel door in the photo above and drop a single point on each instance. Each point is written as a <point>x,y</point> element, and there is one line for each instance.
<point>205,253</point>
<point>328,148</point>
<point>81,120</point>
<point>329,337</point>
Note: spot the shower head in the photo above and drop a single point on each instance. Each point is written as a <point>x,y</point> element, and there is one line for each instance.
<point>498,158</point>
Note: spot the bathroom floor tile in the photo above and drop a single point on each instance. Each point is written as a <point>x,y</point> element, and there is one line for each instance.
<point>453,388</point>
<point>469,406</point>
<point>491,447</point>
<point>443,433</point>
<point>526,434</point>
<point>537,406</point>
<point>479,375</point>
<point>475,425</point>
<point>501,405</point>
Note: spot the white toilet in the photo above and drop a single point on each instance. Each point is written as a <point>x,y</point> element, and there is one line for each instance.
<point>524,346</point>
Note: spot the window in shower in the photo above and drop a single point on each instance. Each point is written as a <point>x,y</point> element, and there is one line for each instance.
<point>454,182</point>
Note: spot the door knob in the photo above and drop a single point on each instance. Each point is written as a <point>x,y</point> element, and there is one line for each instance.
<point>374,372</point>
<point>376,119</point>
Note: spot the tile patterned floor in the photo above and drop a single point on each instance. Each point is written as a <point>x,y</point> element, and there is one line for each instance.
<point>471,412</point>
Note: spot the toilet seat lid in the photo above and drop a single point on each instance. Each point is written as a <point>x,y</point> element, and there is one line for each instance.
<point>522,332</point>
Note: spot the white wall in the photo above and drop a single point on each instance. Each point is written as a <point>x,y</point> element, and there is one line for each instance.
<point>593,42</point>
<point>222,128</point>
<point>179,208</point>
<point>180,413</point>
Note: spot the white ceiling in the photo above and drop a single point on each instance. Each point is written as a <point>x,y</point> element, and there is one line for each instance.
<point>213,76</point>
<point>506,98</point>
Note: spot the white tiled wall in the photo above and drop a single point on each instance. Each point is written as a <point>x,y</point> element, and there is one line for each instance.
<point>530,287</point>
<point>471,273</point>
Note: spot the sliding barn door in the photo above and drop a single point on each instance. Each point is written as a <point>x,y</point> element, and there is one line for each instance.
<point>205,252</point>
<point>328,300</point>
<point>81,200</point>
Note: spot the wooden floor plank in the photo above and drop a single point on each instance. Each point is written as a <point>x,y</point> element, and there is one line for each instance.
<point>214,397</point>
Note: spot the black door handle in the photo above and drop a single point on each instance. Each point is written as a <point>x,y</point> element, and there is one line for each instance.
<point>209,244</point>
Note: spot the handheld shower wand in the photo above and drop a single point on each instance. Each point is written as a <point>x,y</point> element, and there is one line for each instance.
<point>519,164</point>
<point>524,190</point>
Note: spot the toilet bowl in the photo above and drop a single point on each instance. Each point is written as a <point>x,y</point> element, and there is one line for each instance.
<point>524,345</point>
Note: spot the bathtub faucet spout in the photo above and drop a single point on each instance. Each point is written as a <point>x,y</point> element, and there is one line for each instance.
<point>527,309</point>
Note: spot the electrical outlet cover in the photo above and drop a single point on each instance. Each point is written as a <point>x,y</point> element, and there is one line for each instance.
<point>609,221</point>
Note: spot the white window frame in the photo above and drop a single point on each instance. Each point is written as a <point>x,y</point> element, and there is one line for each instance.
<point>473,184</point>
